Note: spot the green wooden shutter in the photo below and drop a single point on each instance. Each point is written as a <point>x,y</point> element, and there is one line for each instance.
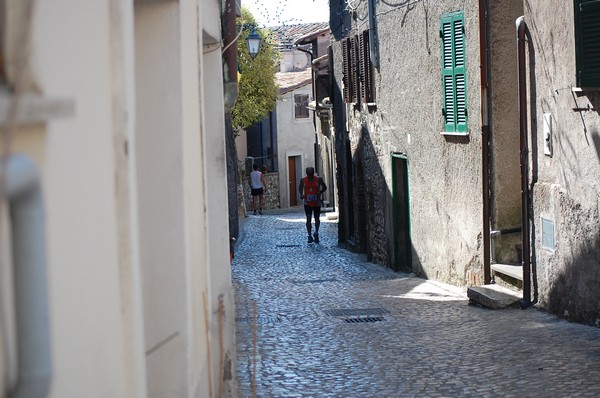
<point>587,42</point>
<point>454,76</point>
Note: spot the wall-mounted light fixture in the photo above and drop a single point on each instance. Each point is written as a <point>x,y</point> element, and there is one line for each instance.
<point>253,41</point>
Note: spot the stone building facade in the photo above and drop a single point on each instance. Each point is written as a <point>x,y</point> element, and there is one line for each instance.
<point>442,173</point>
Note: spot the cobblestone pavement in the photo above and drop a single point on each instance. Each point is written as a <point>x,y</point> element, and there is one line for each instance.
<point>330,324</point>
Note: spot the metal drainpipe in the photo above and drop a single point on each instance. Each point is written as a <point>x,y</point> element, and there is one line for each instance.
<point>230,84</point>
<point>524,152</point>
<point>485,136</point>
<point>373,43</point>
<point>24,195</point>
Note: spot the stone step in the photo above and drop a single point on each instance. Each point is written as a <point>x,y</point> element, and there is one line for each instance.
<point>493,296</point>
<point>512,270</point>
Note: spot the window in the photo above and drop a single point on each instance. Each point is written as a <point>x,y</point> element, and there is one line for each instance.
<point>587,42</point>
<point>357,67</point>
<point>454,81</point>
<point>301,106</point>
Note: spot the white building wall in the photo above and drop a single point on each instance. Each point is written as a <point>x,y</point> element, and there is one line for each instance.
<point>132,180</point>
<point>295,137</point>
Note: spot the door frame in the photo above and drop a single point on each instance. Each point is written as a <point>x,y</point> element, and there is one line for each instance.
<point>395,212</point>
<point>298,156</point>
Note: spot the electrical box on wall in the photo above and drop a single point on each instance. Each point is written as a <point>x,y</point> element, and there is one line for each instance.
<point>547,129</point>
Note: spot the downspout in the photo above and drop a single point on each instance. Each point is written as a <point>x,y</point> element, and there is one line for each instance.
<point>524,152</point>
<point>485,135</point>
<point>230,72</point>
<point>373,43</point>
<point>24,195</point>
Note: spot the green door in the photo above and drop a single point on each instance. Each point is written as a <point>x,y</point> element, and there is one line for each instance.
<point>401,214</point>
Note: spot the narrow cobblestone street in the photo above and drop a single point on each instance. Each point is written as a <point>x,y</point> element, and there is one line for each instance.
<point>331,324</point>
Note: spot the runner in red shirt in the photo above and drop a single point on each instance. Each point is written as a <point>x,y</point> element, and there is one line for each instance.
<point>311,187</point>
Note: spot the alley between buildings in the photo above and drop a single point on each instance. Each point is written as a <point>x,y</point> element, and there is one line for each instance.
<point>315,320</point>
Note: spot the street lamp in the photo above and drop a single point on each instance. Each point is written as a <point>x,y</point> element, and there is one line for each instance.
<point>253,41</point>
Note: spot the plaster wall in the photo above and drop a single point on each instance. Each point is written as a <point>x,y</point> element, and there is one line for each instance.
<point>160,170</point>
<point>241,144</point>
<point>293,60</point>
<point>444,171</point>
<point>132,180</point>
<point>94,301</point>
<point>295,137</point>
<point>567,188</point>
<point>505,179</point>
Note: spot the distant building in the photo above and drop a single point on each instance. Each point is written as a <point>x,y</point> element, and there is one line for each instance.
<point>286,141</point>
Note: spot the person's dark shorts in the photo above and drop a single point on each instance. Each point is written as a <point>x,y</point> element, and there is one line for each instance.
<point>257,192</point>
<point>309,210</point>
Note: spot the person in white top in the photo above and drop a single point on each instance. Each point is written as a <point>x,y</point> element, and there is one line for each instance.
<point>256,180</point>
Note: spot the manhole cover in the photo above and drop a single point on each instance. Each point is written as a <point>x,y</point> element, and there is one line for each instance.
<point>365,312</point>
<point>369,319</point>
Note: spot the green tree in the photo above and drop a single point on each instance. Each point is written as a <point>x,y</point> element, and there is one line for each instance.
<point>257,88</point>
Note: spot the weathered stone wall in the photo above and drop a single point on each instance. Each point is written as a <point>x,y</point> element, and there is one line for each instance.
<point>271,196</point>
<point>444,171</point>
<point>566,192</point>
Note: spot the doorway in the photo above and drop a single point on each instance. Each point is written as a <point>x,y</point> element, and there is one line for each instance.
<point>293,168</point>
<point>401,214</point>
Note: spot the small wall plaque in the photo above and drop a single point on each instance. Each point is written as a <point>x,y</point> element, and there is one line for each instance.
<point>548,241</point>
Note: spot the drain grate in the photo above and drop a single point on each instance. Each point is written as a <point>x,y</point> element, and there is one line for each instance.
<point>260,319</point>
<point>356,312</point>
<point>308,281</point>
<point>285,228</point>
<point>287,245</point>
<point>369,319</point>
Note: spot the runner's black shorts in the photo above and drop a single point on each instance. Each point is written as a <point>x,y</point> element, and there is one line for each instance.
<point>309,210</point>
<point>256,192</point>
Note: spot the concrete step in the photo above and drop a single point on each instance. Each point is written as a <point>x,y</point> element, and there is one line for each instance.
<point>512,270</point>
<point>493,296</point>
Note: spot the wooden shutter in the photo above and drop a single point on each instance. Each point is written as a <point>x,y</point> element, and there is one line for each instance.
<point>354,73</point>
<point>366,70</point>
<point>460,71</point>
<point>346,70</point>
<point>300,106</point>
<point>454,80</point>
<point>587,42</point>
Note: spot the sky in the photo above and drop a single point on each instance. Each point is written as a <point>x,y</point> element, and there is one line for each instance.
<point>287,12</point>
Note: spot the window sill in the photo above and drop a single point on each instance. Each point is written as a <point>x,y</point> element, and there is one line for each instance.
<point>454,134</point>
<point>35,109</point>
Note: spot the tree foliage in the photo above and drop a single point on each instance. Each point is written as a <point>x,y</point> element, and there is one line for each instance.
<point>257,87</point>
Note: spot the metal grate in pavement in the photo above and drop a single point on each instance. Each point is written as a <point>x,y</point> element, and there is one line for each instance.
<point>285,228</point>
<point>369,319</point>
<point>260,319</point>
<point>365,312</point>
<point>308,281</point>
<point>287,245</point>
